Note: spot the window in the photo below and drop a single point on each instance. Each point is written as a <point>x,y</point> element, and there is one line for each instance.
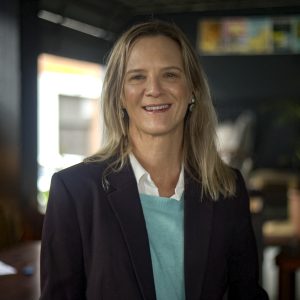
<point>68,116</point>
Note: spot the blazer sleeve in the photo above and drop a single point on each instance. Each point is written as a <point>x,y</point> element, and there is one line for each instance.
<point>62,271</point>
<point>243,261</point>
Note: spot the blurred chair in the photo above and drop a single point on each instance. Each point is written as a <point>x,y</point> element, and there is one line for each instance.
<point>278,227</point>
<point>288,262</point>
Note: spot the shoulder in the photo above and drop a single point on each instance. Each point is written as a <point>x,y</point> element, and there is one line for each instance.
<point>81,176</point>
<point>83,170</point>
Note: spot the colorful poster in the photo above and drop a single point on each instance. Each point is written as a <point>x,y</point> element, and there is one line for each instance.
<point>210,37</point>
<point>235,35</point>
<point>282,35</point>
<point>259,36</point>
<point>249,35</point>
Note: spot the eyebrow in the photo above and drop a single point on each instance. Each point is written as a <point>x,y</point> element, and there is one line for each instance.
<point>164,69</point>
<point>135,71</point>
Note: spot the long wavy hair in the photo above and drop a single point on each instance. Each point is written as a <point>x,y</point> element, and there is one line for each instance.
<point>200,157</point>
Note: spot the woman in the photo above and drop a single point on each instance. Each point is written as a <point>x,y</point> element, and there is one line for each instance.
<point>155,214</point>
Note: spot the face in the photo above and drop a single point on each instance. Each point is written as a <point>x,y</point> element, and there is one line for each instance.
<point>156,93</point>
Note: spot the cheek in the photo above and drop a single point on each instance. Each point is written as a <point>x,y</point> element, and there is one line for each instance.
<point>181,89</point>
<point>129,96</point>
<point>184,95</point>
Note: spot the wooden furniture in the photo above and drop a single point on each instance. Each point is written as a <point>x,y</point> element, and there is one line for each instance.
<point>288,262</point>
<point>21,286</point>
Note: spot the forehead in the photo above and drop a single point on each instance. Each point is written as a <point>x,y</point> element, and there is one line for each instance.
<point>151,49</point>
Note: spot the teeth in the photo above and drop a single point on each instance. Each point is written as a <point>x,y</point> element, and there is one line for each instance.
<point>156,107</point>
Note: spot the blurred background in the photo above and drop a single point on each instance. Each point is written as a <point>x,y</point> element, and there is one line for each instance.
<point>52,64</point>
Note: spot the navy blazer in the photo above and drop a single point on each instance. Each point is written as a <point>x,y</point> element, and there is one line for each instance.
<point>95,244</point>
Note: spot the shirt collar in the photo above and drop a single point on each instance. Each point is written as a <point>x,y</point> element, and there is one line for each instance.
<point>145,183</point>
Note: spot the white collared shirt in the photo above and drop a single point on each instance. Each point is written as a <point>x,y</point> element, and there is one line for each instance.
<point>147,186</point>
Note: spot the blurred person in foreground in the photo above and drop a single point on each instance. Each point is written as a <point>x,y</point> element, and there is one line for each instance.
<point>155,214</point>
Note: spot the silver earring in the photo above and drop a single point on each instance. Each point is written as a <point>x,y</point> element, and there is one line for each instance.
<point>192,104</point>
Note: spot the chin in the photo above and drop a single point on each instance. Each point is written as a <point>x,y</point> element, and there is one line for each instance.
<point>160,131</point>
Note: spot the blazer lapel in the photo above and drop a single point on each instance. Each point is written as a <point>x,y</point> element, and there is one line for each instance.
<point>198,215</point>
<point>124,199</point>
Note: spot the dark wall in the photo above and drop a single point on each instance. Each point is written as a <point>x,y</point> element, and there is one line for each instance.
<point>257,83</point>
<point>9,74</point>
<point>18,120</point>
<point>9,122</point>
<point>28,51</point>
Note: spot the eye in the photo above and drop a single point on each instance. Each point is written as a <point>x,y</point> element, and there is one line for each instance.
<point>171,75</point>
<point>137,77</point>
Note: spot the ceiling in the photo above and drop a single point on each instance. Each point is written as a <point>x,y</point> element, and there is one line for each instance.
<point>111,15</point>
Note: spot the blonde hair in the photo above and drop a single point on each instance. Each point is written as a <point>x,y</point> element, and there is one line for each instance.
<point>200,156</point>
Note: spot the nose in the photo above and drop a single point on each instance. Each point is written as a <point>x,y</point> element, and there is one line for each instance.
<point>153,88</point>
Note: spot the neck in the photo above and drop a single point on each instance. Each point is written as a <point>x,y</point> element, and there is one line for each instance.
<point>161,157</point>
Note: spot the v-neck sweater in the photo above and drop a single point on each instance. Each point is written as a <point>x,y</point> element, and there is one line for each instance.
<point>164,222</point>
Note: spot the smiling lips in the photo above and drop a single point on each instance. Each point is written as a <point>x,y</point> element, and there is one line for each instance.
<point>157,108</point>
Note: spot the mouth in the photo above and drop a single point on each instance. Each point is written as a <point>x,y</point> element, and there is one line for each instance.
<point>157,108</point>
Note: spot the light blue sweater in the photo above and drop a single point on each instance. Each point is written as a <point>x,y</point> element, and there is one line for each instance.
<point>164,222</point>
